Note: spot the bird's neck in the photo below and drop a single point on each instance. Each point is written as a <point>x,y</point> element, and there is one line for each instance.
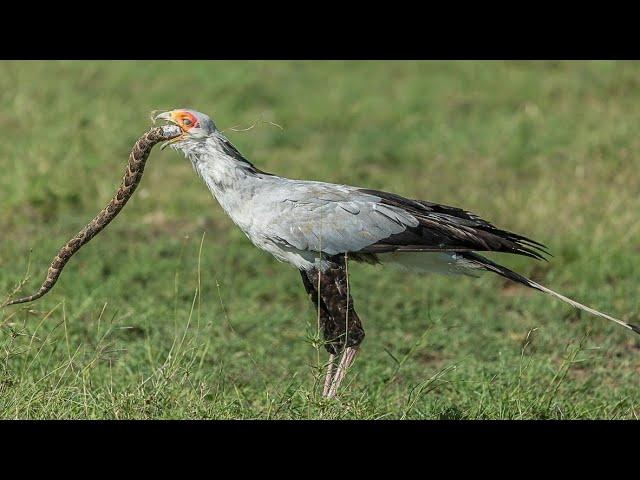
<point>220,164</point>
<point>231,178</point>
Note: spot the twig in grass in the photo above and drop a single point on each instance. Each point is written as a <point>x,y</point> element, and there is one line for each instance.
<point>227,322</point>
<point>66,332</point>
<point>521,368</point>
<point>44,342</point>
<point>426,387</point>
<point>200,278</point>
<point>104,307</point>
<point>22,282</point>
<point>400,363</point>
<point>561,374</point>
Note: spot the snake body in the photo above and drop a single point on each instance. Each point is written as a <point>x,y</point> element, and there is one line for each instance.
<point>132,176</point>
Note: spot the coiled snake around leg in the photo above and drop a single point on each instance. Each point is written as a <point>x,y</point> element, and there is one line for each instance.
<point>133,174</point>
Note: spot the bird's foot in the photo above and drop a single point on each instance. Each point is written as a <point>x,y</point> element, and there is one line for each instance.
<point>329,377</point>
<point>334,378</point>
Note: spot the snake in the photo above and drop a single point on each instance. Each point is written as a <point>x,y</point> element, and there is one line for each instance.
<point>132,176</point>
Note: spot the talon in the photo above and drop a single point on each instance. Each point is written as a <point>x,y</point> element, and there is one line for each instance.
<point>346,361</point>
<point>328,379</point>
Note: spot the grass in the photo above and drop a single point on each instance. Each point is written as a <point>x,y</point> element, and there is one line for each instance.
<point>172,313</point>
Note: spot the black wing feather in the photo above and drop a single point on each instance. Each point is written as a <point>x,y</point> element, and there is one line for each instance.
<point>445,228</point>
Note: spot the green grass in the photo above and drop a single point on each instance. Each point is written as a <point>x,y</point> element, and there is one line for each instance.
<point>172,313</point>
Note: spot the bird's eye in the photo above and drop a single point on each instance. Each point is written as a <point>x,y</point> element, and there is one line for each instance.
<point>187,122</point>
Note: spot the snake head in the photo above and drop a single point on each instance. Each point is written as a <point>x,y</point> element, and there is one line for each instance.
<point>171,131</point>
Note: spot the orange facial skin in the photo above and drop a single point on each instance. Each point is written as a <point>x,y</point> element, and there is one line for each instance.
<point>185,120</point>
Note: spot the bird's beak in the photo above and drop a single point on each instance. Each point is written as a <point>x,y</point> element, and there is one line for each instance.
<point>168,116</point>
<point>164,116</point>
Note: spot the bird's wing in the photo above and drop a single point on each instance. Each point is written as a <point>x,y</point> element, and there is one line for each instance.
<point>450,229</point>
<point>336,219</point>
<point>332,218</point>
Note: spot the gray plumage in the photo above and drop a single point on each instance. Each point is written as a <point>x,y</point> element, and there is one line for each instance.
<point>304,223</point>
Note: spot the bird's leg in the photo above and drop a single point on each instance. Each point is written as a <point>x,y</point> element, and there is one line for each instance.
<point>343,330</point>
<point>328,379</point>
<point>347,321</point>
<point>311,281</point>
<point>346,361</point>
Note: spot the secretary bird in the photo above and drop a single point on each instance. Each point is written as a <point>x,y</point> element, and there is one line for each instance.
<point>318,227</point>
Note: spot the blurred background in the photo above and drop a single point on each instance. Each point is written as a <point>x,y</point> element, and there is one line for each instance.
<point>171,312</point>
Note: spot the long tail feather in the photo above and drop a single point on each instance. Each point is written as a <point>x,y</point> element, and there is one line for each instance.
<point>516,277</point>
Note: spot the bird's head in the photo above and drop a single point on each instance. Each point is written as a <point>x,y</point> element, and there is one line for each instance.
<point>195,126</point>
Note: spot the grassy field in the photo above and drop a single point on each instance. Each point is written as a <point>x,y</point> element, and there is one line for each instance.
<point>172,313</point>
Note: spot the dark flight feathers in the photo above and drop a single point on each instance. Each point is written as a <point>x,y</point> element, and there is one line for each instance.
<point>445,228</point>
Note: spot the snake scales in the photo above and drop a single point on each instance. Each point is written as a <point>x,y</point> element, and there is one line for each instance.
<point>133,174</point>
